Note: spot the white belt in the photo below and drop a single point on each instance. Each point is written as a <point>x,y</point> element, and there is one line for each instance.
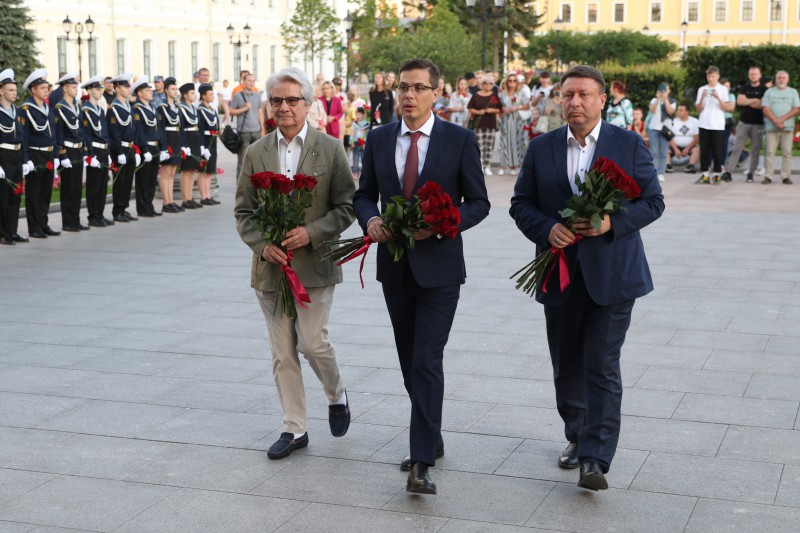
<point>191,129</point>
<point>172,128</point>
<point>208,132</point>
<point>126,144</point>
<point>7,146</point>
<point>41,148</point>
<point>152,143</point>
<point>101,146</point>
<point>73,145</point>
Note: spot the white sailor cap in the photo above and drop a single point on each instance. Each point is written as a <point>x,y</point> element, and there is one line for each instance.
<point>141,83</point>
<point>7,76</point>
<point>97,81</point>
<point>71,78</point>
<point>37,77</point>
<point>122,79</point>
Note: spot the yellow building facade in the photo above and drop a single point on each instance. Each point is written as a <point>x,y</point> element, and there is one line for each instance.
<point>686,23</point>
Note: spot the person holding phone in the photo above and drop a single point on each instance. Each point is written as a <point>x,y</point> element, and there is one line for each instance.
<point>662,109</point>
<point>712,102</point>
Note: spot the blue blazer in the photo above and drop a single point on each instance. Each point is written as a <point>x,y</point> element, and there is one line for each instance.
<point>614,265</point>
<point>453,161</point>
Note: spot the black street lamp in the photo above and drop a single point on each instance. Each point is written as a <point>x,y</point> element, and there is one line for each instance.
<point>684,27</point>
<point>557,24</point>
<point>78,29</point>
<point>237,46</point>
<point>348,26</point>
<point>485,14</point>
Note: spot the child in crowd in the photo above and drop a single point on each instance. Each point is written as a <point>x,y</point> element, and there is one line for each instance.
<point>359,139</point>
<point>349,118</point>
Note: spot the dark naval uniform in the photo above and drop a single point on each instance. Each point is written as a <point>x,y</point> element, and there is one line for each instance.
<point>169,121</point>
<point>95,132</point>
<point>122,134</point>
<point>69,135</point>
<point>148,139</point>
<point>209,127</point>
<point>11,163</point>
<point>39,146</point>
<point>191,136</point>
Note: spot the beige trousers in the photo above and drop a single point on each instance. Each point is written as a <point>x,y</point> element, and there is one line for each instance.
<point>308,334</point>
<point>784,139</point>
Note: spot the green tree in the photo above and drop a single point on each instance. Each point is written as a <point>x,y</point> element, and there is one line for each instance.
<point>310,32</point>
<point>17,40</point>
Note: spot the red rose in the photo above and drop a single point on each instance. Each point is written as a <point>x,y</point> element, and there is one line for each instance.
<point>88,160</point>
<point>114,167</point>
<point>220,171</point>
<point>19,189</point>
<point>429,189</point>
<point>362,142</point>
<point>260,180</point>
<point>311,183</point>
<point>202,163</point>
<point>213,132</point>
<point>299,181</point>
<point>183,155</point>
<point>282,184</point>
<point>50,165</point>
<point>136,150</point>
<point>169,150</point>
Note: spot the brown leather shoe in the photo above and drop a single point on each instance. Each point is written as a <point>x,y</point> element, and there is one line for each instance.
<point>405,464</point>
<point>419,481</point>
<point>569,457</point>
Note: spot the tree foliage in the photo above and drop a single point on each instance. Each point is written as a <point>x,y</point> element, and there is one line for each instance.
<point>734,63</point>
<point>17,40</point>
<point>311,32</point>
<point>624,47</point>
<point>642,81</point>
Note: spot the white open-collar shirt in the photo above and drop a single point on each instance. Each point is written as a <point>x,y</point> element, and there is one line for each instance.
<point>579,158</point>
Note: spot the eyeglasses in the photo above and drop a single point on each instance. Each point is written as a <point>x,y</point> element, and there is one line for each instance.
<point>416,88</point>
<point>278,102</point>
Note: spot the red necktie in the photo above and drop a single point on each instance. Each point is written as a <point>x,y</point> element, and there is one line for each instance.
<point>411,171</point>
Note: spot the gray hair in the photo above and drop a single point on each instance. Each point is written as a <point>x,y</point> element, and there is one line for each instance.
<point>294,75</point>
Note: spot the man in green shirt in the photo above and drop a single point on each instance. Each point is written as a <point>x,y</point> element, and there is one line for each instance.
<point>780,104</point>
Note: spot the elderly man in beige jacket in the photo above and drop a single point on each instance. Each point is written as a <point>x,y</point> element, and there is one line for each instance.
<point>291,149</point>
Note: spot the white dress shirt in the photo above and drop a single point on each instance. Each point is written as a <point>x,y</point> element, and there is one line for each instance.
<point>289,152</point>
<point>404,143</point>
<point>579,158</point>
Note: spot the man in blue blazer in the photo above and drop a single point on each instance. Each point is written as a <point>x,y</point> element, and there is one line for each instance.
<point>587,323</point>
<point>422,289</point>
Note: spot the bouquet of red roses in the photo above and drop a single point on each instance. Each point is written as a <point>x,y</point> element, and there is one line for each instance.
<point>601,193</point>
<point>280,207</point>
<point>430,209</point>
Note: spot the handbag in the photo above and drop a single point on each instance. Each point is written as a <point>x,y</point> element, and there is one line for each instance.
<point>543,124</point>
<point>231,140</point>
<point>667,133</point>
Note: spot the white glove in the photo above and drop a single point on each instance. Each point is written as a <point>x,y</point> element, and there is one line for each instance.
<point>56,164</point>
<point>138,159</point>
<point>121,159</point>
<point>95,163</point>
<point>186,151</point>
<point>206,153</point>
<point>66,163</point>
<point>148,157</point>
<point>27,168</point>
<point>2,173</point>
<point>163,156</point>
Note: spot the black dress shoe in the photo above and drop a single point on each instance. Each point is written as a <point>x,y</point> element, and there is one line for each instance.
<point>170,208</point>
<point>97,223</point>
<point>179,207</point>
<point>592,477</point>
<point>108,221</point>
<point>155,213</point>
<point>339,418</point>
<point>37,234</point>
<point>146,215</point>
<point>51,232</point>
<point>419,481</point>
<point>405,464</point>
<point>285,445</point>
<point>206,201</point>
<point>188,205</point>
<point>569,457</point>
<point>130,217</point>
<point>19,238</point>
<point>120,218</point>
<point>71,229</point>
<point>83,228</point>
<point>7,240</point>
<point>197,204</point>
<point>214,201</point>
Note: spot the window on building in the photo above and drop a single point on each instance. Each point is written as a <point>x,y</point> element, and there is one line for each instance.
<point>195,59</point>
<point>693,12</point>
<point>720,11</point>
<point>171,58</point>
<point>269,4</point>
<point>146,48</point>
<point>215,61</point>
<point>92,45</point>
<point>747,10</point>
<point>591,13</point>
<point>619,12</point>
<point>120,55</point>
<point>655,11</point>
<point>775,10</point>
<point>255,61</point>
<point>273,52</point>
<point>61,43</point>
<point>566,13</point>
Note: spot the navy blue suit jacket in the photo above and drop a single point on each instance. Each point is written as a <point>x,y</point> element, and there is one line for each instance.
<point>452,161</point>
<point>614,265</point>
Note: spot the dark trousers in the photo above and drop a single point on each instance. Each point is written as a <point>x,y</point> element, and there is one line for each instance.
<point>711,147</point>
<point>11,161</point>
<point>123,184</point>
<point>146,179</point>
<point>421,319</point>
<point>38,191</point>
<point>71,187</point>
<point>585,341</point>
<point>97,186</point>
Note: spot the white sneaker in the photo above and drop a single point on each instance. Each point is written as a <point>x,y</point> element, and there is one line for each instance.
<point>488,171</point>
<point>501,172</point>
<point>661,177</point>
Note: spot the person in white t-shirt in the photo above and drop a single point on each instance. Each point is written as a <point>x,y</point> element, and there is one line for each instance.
<point>225,94</point>
<point>684,147</point>
<point>712,102</point>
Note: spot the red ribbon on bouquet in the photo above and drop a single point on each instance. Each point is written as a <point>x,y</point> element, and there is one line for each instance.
<point>298,290</point>
<point>563,268</point>
<point>363,253</point>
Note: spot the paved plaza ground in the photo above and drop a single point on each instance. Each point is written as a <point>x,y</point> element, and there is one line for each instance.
<point>136,392</point>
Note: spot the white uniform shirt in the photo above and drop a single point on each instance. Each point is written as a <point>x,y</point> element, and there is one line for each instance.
<point>289,152</point>
<point>579,158</point>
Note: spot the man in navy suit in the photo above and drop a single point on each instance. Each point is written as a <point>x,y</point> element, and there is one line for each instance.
<point>587,323</point>
<point>422,289</point>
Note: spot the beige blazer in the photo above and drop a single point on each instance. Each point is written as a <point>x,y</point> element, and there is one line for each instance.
<point>330,214</point>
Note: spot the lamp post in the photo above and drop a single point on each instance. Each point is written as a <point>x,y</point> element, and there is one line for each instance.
<point>78,29</point>
<point>557,24</point>
<point>237,46</point>
<point>348,26</point>
<point>708,37</point>
<point>485,14</point>
<point>684,27</point>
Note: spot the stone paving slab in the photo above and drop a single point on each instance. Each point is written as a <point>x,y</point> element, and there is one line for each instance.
<point>136,390</point>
